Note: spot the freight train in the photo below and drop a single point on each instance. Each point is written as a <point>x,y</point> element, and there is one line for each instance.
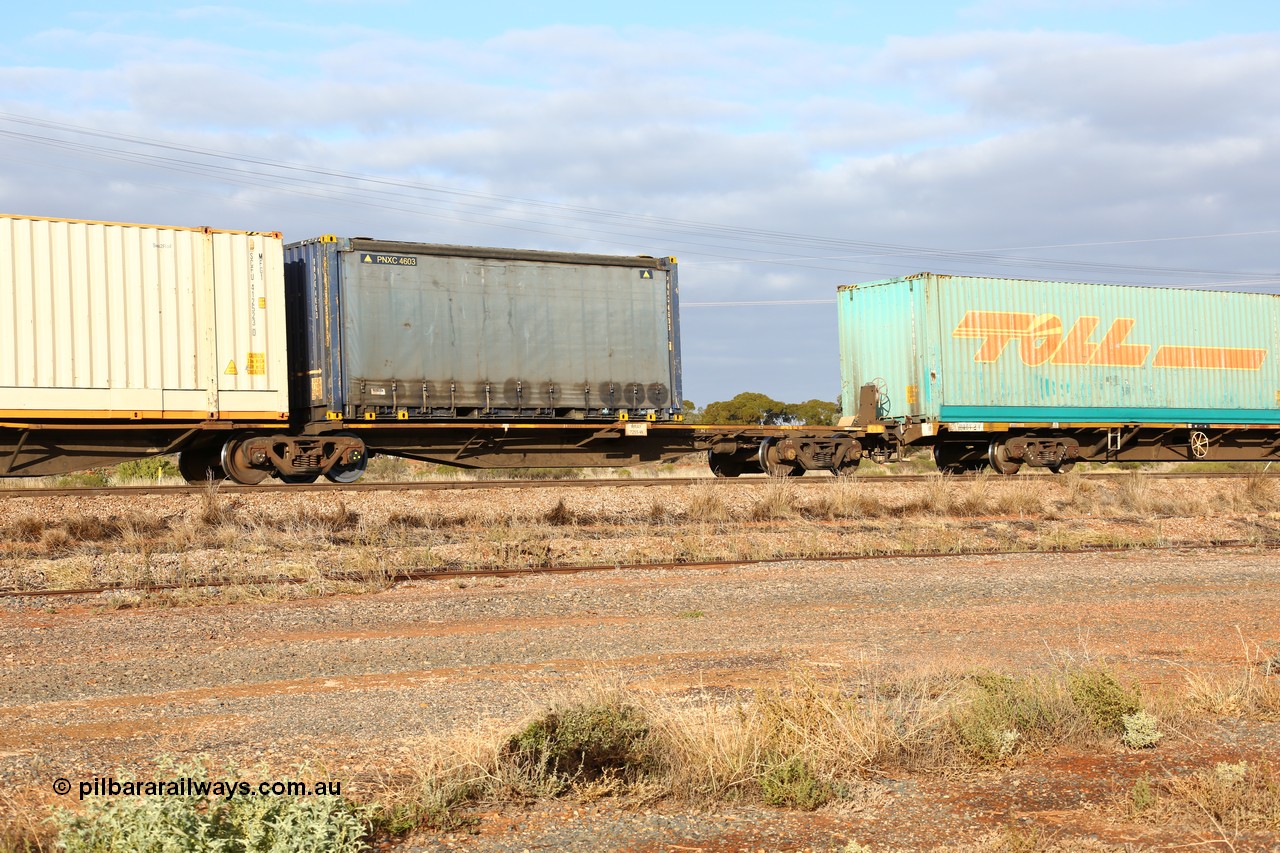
<point>254,360</point>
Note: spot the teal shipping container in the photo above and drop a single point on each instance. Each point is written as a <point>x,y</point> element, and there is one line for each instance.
<point>953,349</point>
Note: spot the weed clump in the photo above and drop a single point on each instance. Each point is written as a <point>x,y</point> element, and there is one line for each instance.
<point>29,528</point>
<point>1102,698</point>
<point>215,511</point>
<point>583,743</point>
<point>792,783</point>
<point>1143,796</point>
<point>330,522</point>
<point>1236,797</point>
<point>407,520</point>
<point>1259,492</point>
<point>845,500</point>
<point>1006,715</point>
<point>705,504</point>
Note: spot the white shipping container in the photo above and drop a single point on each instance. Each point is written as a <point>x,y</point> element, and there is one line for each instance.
<point>108,320</point>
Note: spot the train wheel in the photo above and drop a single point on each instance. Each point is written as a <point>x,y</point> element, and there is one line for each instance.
<point>767,459</point>
<point>351,471</point>
<point>847,468</point>
<point>998,459</point>
<point>200,465</point>
<point>237,464</point>
<point>1061,467</point>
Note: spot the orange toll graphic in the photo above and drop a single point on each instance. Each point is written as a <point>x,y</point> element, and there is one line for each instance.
<point>1045,339</point>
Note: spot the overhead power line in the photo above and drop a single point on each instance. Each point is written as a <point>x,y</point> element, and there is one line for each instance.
<point>710,242</point>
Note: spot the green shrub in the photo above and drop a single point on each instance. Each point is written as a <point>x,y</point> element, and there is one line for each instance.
<point>152,468</point>
<point>245,823</point>
<point>387,469</point>
<point>1004,715</point>
<point>583,743</point>
<point>78,479</point>
<point>793,784</point>
<point>1104,701</point>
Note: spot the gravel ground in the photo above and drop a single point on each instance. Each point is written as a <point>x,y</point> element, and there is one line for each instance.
<point>354,684</point>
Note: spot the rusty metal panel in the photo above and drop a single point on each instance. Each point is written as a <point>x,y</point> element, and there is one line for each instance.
<point>420,330</point>
<point>993,350</point>
<point>111,320</point>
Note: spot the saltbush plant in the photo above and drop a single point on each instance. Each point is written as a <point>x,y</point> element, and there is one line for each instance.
<point>1141,730</point>
<point>241,824</point>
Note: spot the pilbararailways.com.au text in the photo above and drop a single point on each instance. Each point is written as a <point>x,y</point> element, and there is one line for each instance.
<point>227,789</point>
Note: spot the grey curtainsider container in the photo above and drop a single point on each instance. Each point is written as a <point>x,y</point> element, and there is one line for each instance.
<point>409,331</point>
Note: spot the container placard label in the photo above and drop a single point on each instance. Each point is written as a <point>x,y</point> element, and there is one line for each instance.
<point>389,260</point>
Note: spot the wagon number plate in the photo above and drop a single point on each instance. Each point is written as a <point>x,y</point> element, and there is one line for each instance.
<point>389,260</point>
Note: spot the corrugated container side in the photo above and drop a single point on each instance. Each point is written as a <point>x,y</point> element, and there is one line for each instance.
<point>113,320</point>
<point>1002,350</point>
<point>422,330</point>
<point>880,351</point>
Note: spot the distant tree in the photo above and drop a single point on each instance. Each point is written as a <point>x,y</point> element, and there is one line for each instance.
<point>746,408</point>
<point>690,411</point>
<point>814,412</point>
<point>750,407</point>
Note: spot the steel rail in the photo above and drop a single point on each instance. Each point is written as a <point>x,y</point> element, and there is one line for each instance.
<point>568,569</point>
<point>227,487</point>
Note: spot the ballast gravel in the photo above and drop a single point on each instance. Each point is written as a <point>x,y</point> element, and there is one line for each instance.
<point>351,685</point>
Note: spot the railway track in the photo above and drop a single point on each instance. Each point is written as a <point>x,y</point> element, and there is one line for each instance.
<point>595,483</point>
<point>567,569</point>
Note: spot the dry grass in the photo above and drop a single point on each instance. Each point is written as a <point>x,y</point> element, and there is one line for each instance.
<point>1227,799</point>
<point>800,742</point>
<point>781,519</point>
<point>706,504</point>
<point>804,741</point>
<point>777,502</point>
<point>1249,691</point>
<point>24,824</point>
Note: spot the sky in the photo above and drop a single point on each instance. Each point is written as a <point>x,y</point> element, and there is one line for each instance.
<point>778,150</point>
